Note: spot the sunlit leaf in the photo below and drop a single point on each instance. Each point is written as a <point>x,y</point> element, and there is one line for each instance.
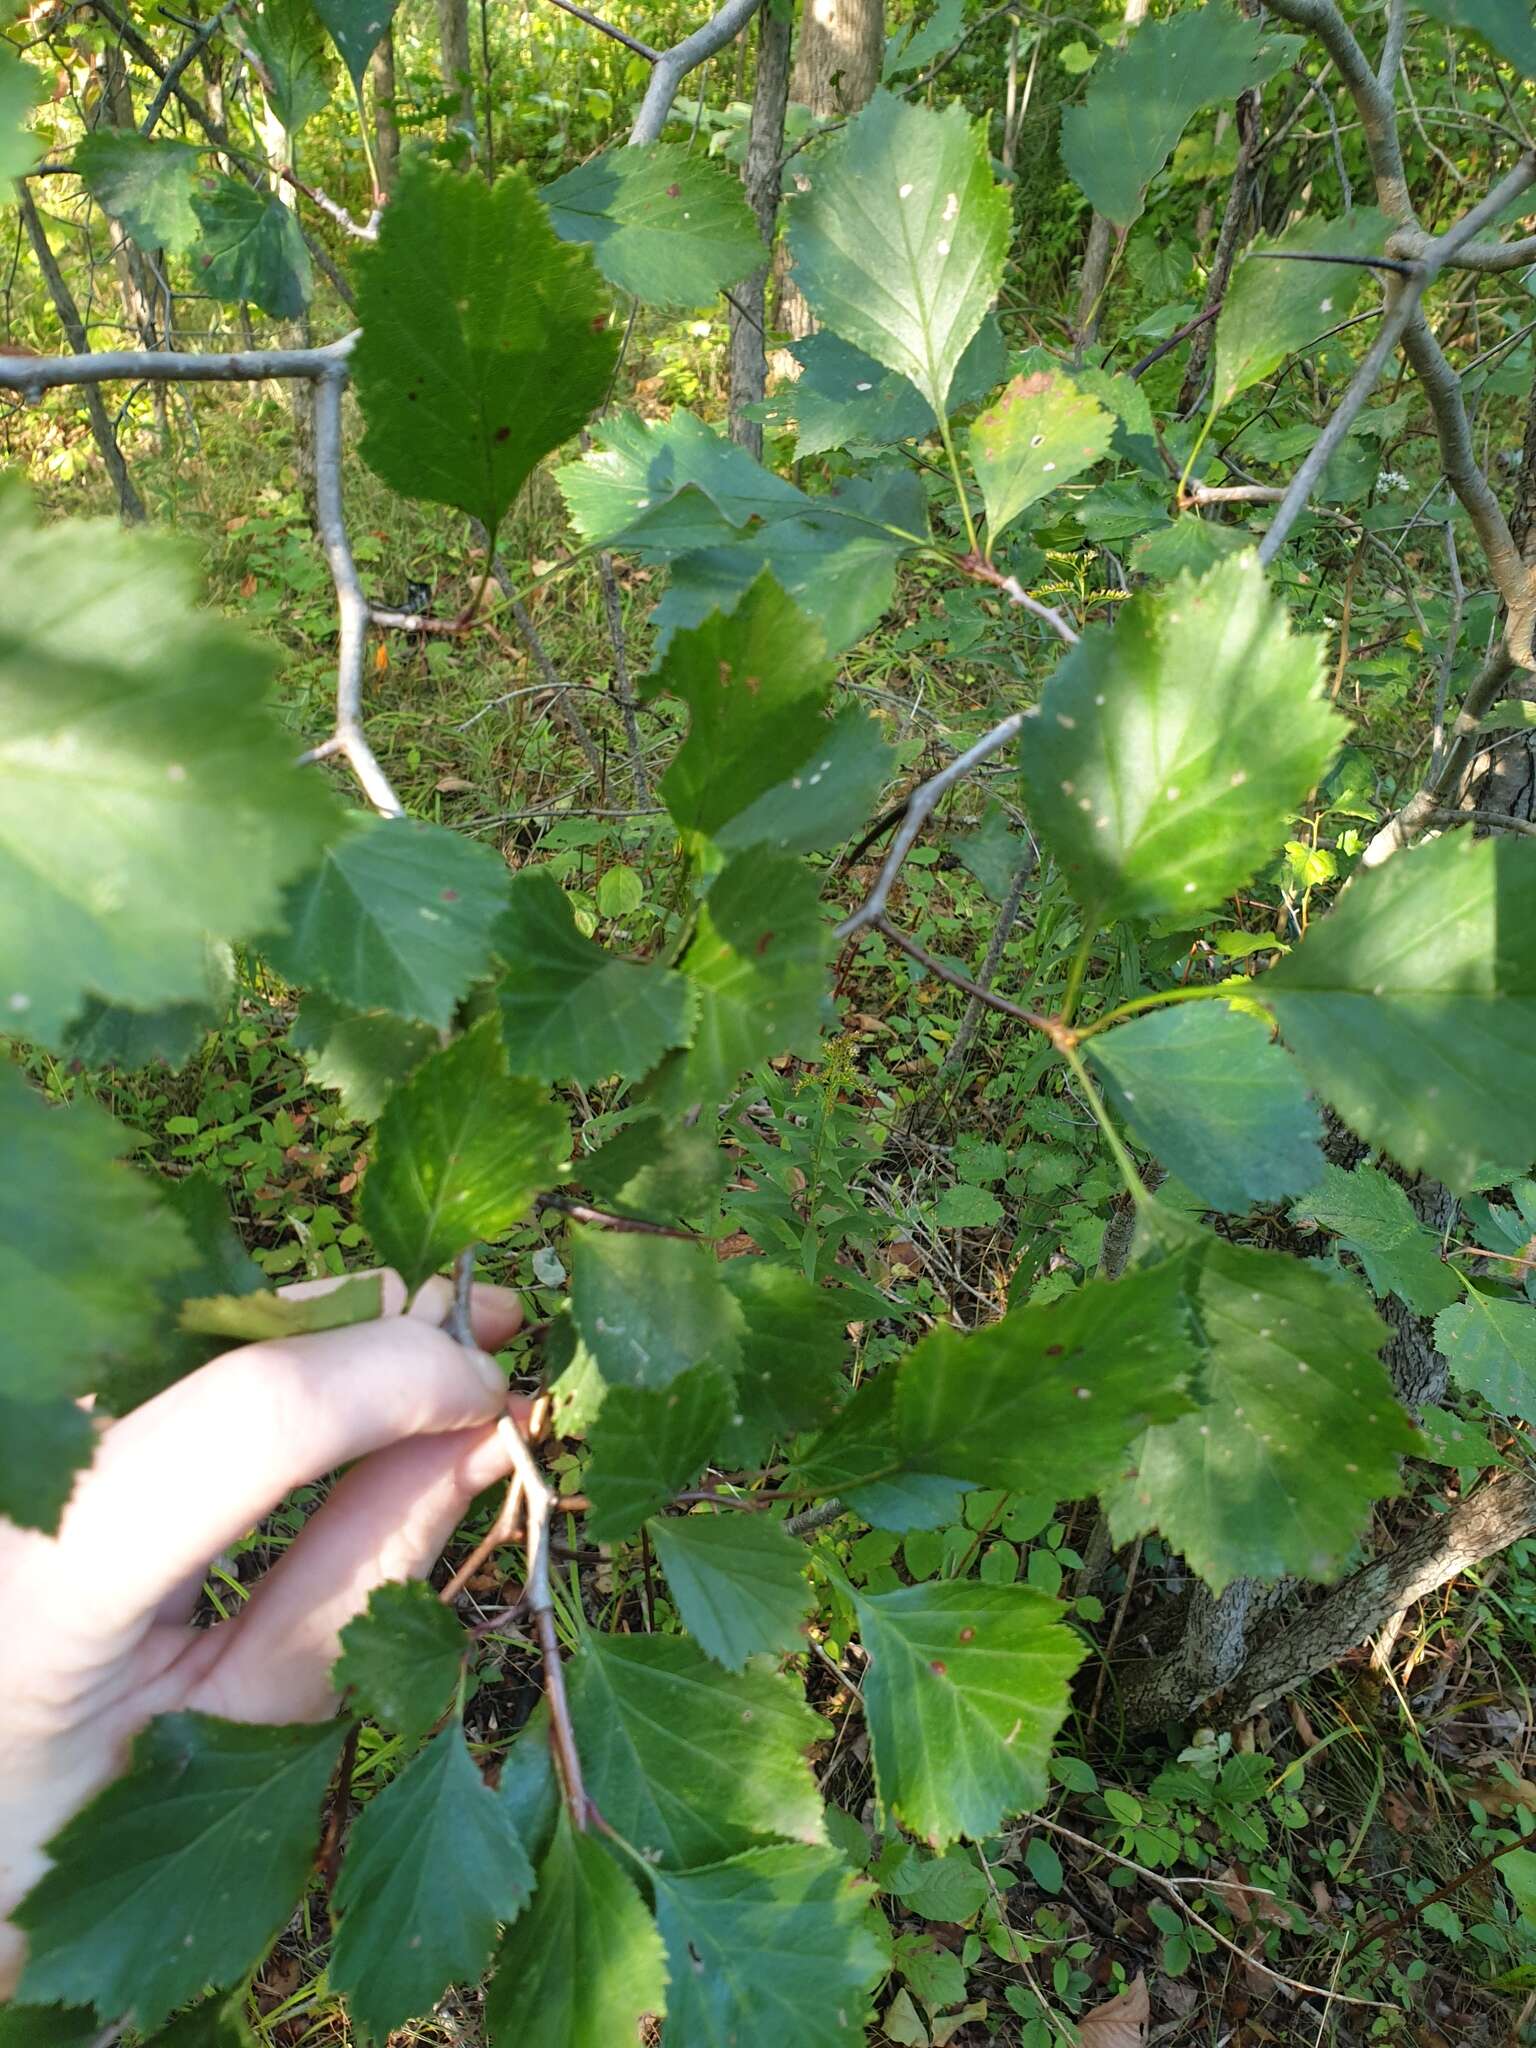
<point>650,1308</point>
<point>1171,750</point>
<point>1426,967</point>
<point>898,235</point>
<point>286,42</point>
<point>1039,432</point>
<point>1490,1346</point>
<point>966,1687</point>
<point>738,1581</point>
<point>261,1318</point>
<point>843,396</point>
<point>1274,308</point>
<point>1505,25</point>
<point>686,1761</point>
<point>662,221</point>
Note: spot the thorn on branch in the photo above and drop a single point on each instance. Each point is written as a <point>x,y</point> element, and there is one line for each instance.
<point>1393,263</point>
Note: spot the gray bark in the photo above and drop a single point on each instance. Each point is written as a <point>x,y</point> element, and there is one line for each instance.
<point>749,300</point>
<point>386,129</point>
<point>453,41</point>
<point>837,67</point>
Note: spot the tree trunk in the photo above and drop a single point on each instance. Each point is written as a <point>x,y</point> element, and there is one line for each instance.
<point>386,128</point>
<point>837,67</point>
<point>136,269</point>
<point>453,40</point>
<point>1225,254</point>
<point>749,300</point>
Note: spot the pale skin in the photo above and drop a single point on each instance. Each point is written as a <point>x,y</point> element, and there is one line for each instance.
<point>94,1622</point>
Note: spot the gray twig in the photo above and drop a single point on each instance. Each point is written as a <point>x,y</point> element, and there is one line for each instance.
<point>672,66</point>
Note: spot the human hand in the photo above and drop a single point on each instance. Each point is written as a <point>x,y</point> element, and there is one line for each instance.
<point>94,1636</point>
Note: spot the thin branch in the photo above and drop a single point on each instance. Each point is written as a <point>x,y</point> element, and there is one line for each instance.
<point>672,66</point>
<point>920,807</point>
<point>1452,640</point>
<point>1401,266</point>
<point>189,56</point>
<point>1493,821</point>
<point>351,603</point>
<point>809,1520</point>
<point>33,375</point>
<point>977,566</point>
<point>360,230</point>
<point>1484,691</point>
<point>1179,334</point>
<point>1231,494</point>
<point>605,1219</point>
<point>1372,98</point>
<point>607,28</point>
<point>1051,1026</point>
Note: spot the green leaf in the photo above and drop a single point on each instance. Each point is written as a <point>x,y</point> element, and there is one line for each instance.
<point>648,1444</point>
<point>775,1946</point>
<point>738,1581</point>
<point>836,558</point>
<point>356,27</point>
<point>1449,1439</point>
<point>1139,101</point>
<point>250,248</point>
<point>947,1887</point>
<point>362,1055</point>
<point>659,1169</point>
<point>401,1659</point>
<point>650,1308</point>
<point>146,185</point>
<point>571,1009</point>
<point>899,237</point>
<point>668,225</point>
<point>1375,1220</point>
<point>1505,25</point>
<point>398,916</point>
<point>1425,967</point>
<point>43,1446</point>
<point>1170,751</point>
<point>20,90</point>
<point>485,343</point>
<point>758,964</point>
<point>993,853</point>
<point>1039,432</point>
<point>754,678</point>
<point>84,1247</point>
<point>1299,1436</point>
<point>148,797</point>
<point>967,1208</point>
<point>1490,1347</point>
<point>843,396</point>
<point>257,1318</point>
<point>916,48</point>
<point>860,1458</point>
<point>828,798</point>
<point>432,1865</point>
<point>584,1964</point>
<point>216,2023</point>
<point>111,1035</point>
<point>1050,1399</point>
<point>685,1761</point>
<point>1190,544</point>
<point>1224,1109</point>
<point>658,488</point>
<point>48,2026</point>
<point>286,42</point>
<point>966,1687</point>
<point>1274,309</point>
<point>212,1832</point>
<point>461,1152</point>
<point>792,1351</point>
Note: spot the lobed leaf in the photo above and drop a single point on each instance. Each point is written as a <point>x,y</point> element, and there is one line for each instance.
<point>286,42</point>
<point>363,1055</point>
<point>1375,1220</point>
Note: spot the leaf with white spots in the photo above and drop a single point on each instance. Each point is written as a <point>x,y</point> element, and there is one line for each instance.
<point>1048,1400</point>
<point>773,1947</point>
<point>662,222</point>
<point>843,397</point>
<point>966,1688</point>
<point>899,237</point>
<point>1276,307</point>
<point>687,1762</point>
<point>1299,1435</point>
<point>1425,967</point>
<point>213,1832</point>
<point>1039,432</point>
<point>148,795</point>
<point>433,1864</point>
<point>397,916</point>
<point>1172,749</point>
<point>356,27</point>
